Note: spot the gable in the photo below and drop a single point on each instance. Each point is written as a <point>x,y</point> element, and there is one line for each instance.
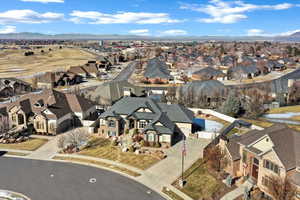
<point>264,144</point>
<point>147,110</point>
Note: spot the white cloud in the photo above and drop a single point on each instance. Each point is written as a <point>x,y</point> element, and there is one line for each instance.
<point>174,32</point>
<point>256,32</point>
<point>45,1</point>
<point>28,16</point>
<point>8,29</point>
<point>228,12</point>
<point>94,17</point>
<point>289,32</point>
<point>260,32</point>
<point>142,32</point>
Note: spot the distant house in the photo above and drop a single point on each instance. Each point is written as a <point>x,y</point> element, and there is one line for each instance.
<point>157,72</point>
<point>206,94</point>
<point>51,80</point>
<point>11,86</point>
<point>49,111</point>
<point>156,122</point>
<point>261,155</point>
<point>243,72</point>
<point>110,92</point>
<point>208,73</point>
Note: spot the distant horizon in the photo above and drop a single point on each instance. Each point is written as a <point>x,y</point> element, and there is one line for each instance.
<point>152,18</point>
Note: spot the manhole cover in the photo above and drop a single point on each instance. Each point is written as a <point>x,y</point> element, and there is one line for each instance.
<point>92,180</point>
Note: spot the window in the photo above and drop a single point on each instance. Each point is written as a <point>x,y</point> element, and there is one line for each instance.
<point>40,125</point>
<point>266,181</point>
<point>14,118</point>
<point>142,124</point>
<point>111,123</point>
<point>271,166</point>
<point>150,137</point>
<point>52,126</point>
<point>256,161</point>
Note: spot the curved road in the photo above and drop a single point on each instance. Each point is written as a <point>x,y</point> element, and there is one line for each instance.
<point>46,180</point>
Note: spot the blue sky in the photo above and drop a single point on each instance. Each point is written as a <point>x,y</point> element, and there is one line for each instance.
<point>151,17</point>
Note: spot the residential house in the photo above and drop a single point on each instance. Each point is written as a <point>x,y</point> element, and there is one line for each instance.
<point>157,72</point>
<point>243,72</point>
<point>110,92</point>
<point>11,86</point>
<point>205,94</point>
<point>156,122</point>
<point>208,73</point>
<point>262,155</point>
<point>48,111</point>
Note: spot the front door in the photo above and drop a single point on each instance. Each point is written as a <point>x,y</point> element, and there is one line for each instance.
<point>255,167</point>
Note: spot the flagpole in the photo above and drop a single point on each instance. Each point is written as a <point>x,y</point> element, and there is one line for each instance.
<point>183,153</point>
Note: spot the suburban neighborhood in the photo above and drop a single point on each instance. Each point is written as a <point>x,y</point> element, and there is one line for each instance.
<point>145,115</point>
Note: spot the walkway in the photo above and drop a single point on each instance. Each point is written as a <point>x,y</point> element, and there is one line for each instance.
<point>47,151</point>
<point>237,192</point>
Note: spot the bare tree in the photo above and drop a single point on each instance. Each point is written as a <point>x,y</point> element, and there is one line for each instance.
<point>61,142</point>
<point>4,124</point>
<point>76,138</point>
<point>215,158</point>
<point>281,188</point>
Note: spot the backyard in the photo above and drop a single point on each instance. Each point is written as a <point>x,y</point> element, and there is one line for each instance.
<point>201,183</point>
<point>30,145</point>
<point>102,148</point>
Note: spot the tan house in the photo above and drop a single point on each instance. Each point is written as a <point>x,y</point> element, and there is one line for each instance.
<point>261,155</point>
<point>48,111</point>
<point>156,122</point>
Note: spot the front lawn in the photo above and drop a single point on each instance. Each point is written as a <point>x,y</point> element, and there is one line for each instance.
<point>102,148</point>
<point>259,122</point>
<point>285,109</point>
<point>201,184</point>
<point>30,145</point>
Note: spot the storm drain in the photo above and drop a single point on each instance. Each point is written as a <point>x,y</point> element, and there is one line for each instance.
<point>92,180</point>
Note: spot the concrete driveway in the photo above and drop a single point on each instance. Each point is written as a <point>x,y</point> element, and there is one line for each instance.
<point>46,180</point>
<point>169,169</point>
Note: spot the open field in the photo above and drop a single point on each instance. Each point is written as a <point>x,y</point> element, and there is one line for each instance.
<point>29,145</point>
<point>13,63</point>
<point>101,148</point>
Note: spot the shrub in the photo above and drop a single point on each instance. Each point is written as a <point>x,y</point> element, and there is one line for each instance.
<point>126,131</point>
<point>114,143</point>
<point>157,145</point>
<point>131,149</point>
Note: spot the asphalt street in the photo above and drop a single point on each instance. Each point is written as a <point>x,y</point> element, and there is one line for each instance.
<point>46,180</point>
<point>126,73</point>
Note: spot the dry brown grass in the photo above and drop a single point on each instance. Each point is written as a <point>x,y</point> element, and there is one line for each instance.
<point>13,60</point>
<point>101,148</point>
<point>98,163</point>
<point>29,145</point>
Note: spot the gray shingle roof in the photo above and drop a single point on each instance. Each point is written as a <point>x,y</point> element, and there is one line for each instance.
<point>167,115</point>
<point>157,69</point>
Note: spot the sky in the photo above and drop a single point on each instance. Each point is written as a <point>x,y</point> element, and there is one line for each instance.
<point>152,17</point>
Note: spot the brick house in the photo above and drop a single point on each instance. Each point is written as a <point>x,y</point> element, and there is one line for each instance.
<point>261,155</point>
<point>156,122</point>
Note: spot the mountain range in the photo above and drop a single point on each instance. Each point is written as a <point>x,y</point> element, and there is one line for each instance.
<point>295,37</point>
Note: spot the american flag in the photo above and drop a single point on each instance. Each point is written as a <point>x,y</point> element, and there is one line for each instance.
<point>184,148</point>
